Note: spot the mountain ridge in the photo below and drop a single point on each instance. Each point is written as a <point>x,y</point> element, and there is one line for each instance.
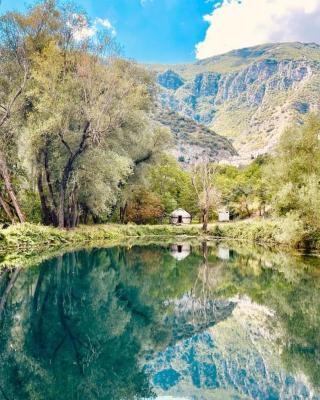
<point>248,95</point>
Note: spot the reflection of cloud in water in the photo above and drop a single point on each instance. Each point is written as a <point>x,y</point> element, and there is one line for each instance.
<point>239,357</point>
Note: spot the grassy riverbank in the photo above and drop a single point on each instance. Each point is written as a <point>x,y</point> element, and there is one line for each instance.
<point>29,238</point>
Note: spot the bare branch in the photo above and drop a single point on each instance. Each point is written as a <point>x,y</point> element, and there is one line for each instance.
<point>11,103</point>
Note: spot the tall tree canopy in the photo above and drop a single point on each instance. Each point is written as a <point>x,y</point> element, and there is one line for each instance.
<point>83,116</point>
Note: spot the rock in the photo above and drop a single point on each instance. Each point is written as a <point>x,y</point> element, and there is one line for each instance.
<point>243,93</point>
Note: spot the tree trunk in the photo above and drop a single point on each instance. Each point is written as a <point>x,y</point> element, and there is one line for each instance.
<point>45,210</point>
<point>61,207</point>
<point>9,188</point>
<point>248,210</point>
<point>205,250</point>
<point>73,209</point>
<point>123,211</point>
<point>85,213</point>
<point>63,188</point>
<point>67,172</point>
<point>48,179</point>
<point>205,220</point>
<point>7,210</point>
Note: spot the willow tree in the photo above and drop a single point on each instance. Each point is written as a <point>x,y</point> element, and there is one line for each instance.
<point>20,36</point>
<point>88,124</point>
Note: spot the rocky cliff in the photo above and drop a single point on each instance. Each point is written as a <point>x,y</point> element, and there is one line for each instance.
<point>249,95</point>
<point>194,141</point>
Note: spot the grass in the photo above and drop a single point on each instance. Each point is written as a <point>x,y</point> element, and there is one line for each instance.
<point>31,239</point>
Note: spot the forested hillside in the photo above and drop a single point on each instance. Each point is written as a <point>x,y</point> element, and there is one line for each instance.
<point>194,141</point>
<point>249,95</point>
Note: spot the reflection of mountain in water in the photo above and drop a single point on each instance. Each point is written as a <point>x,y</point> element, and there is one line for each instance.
<point>236,359</point>
<point>87,321</point>
<point>192,316</point>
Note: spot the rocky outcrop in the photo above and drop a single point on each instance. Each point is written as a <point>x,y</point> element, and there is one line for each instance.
<point>194,141</point>
<point>170,80</point>
<point>251,86</point>
<point>249,95</point>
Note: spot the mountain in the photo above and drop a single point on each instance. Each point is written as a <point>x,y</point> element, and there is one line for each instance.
<point>249,95</point>
<point>194,141</point>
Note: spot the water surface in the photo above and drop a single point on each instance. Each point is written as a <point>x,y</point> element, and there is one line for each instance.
<point>179,321</point>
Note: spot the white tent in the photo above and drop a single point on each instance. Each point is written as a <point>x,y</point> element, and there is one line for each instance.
<point>180,217</point>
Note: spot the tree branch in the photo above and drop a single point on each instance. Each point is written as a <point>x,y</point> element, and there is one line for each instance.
<point>15,97</point>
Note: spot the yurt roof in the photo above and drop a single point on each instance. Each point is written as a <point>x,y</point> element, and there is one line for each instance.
<point>180,212</point>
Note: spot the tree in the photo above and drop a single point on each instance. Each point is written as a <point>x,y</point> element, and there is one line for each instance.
<point>144,165</point>
<point>144,207</point>
<point>203,180</point>
<point>89,108</point>
<point>76,123</point>
<point>294,174</point>
<point>244,189</point>
<point>173,185</point>
<point>21,36</point>
<point>14,71</point>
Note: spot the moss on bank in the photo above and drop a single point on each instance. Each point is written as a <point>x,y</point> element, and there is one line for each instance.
<point>29,239</point>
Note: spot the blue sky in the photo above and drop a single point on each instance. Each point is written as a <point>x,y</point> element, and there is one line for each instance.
<point>172,31</point>
<point>150,30</point>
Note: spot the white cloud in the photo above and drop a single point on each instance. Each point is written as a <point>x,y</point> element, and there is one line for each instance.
<point>236,24</point>
<point>83,30</point>
<point>106,24</point>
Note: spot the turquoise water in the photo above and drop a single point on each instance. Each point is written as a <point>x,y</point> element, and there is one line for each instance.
<point>178,321</point>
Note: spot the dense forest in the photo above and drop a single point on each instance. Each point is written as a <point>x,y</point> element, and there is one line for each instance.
<point>80,142</point>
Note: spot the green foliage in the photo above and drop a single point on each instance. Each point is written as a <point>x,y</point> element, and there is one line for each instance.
<point>83,124</point>
<point>244,189</point>
<point>294,174</point>
<point>144,207</point>
<point>80,144</point>
<point>173,185</point>
<point>19,243</point>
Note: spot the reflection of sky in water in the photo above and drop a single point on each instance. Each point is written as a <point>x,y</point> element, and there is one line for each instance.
<point>218,324</point>
<point>236,359</point>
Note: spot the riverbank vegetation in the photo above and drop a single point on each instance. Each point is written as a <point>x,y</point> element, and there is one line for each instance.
<point>28,240</point>
<point>79,145</point>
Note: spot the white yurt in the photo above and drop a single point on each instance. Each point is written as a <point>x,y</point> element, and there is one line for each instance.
<point>180,217</point>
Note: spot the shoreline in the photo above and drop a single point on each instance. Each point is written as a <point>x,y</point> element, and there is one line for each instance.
<point>30,239</point>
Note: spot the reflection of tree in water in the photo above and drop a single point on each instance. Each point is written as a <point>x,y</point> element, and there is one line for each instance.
<point>78,333</point>
<point>196,311</point>
<point>77,326</point>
